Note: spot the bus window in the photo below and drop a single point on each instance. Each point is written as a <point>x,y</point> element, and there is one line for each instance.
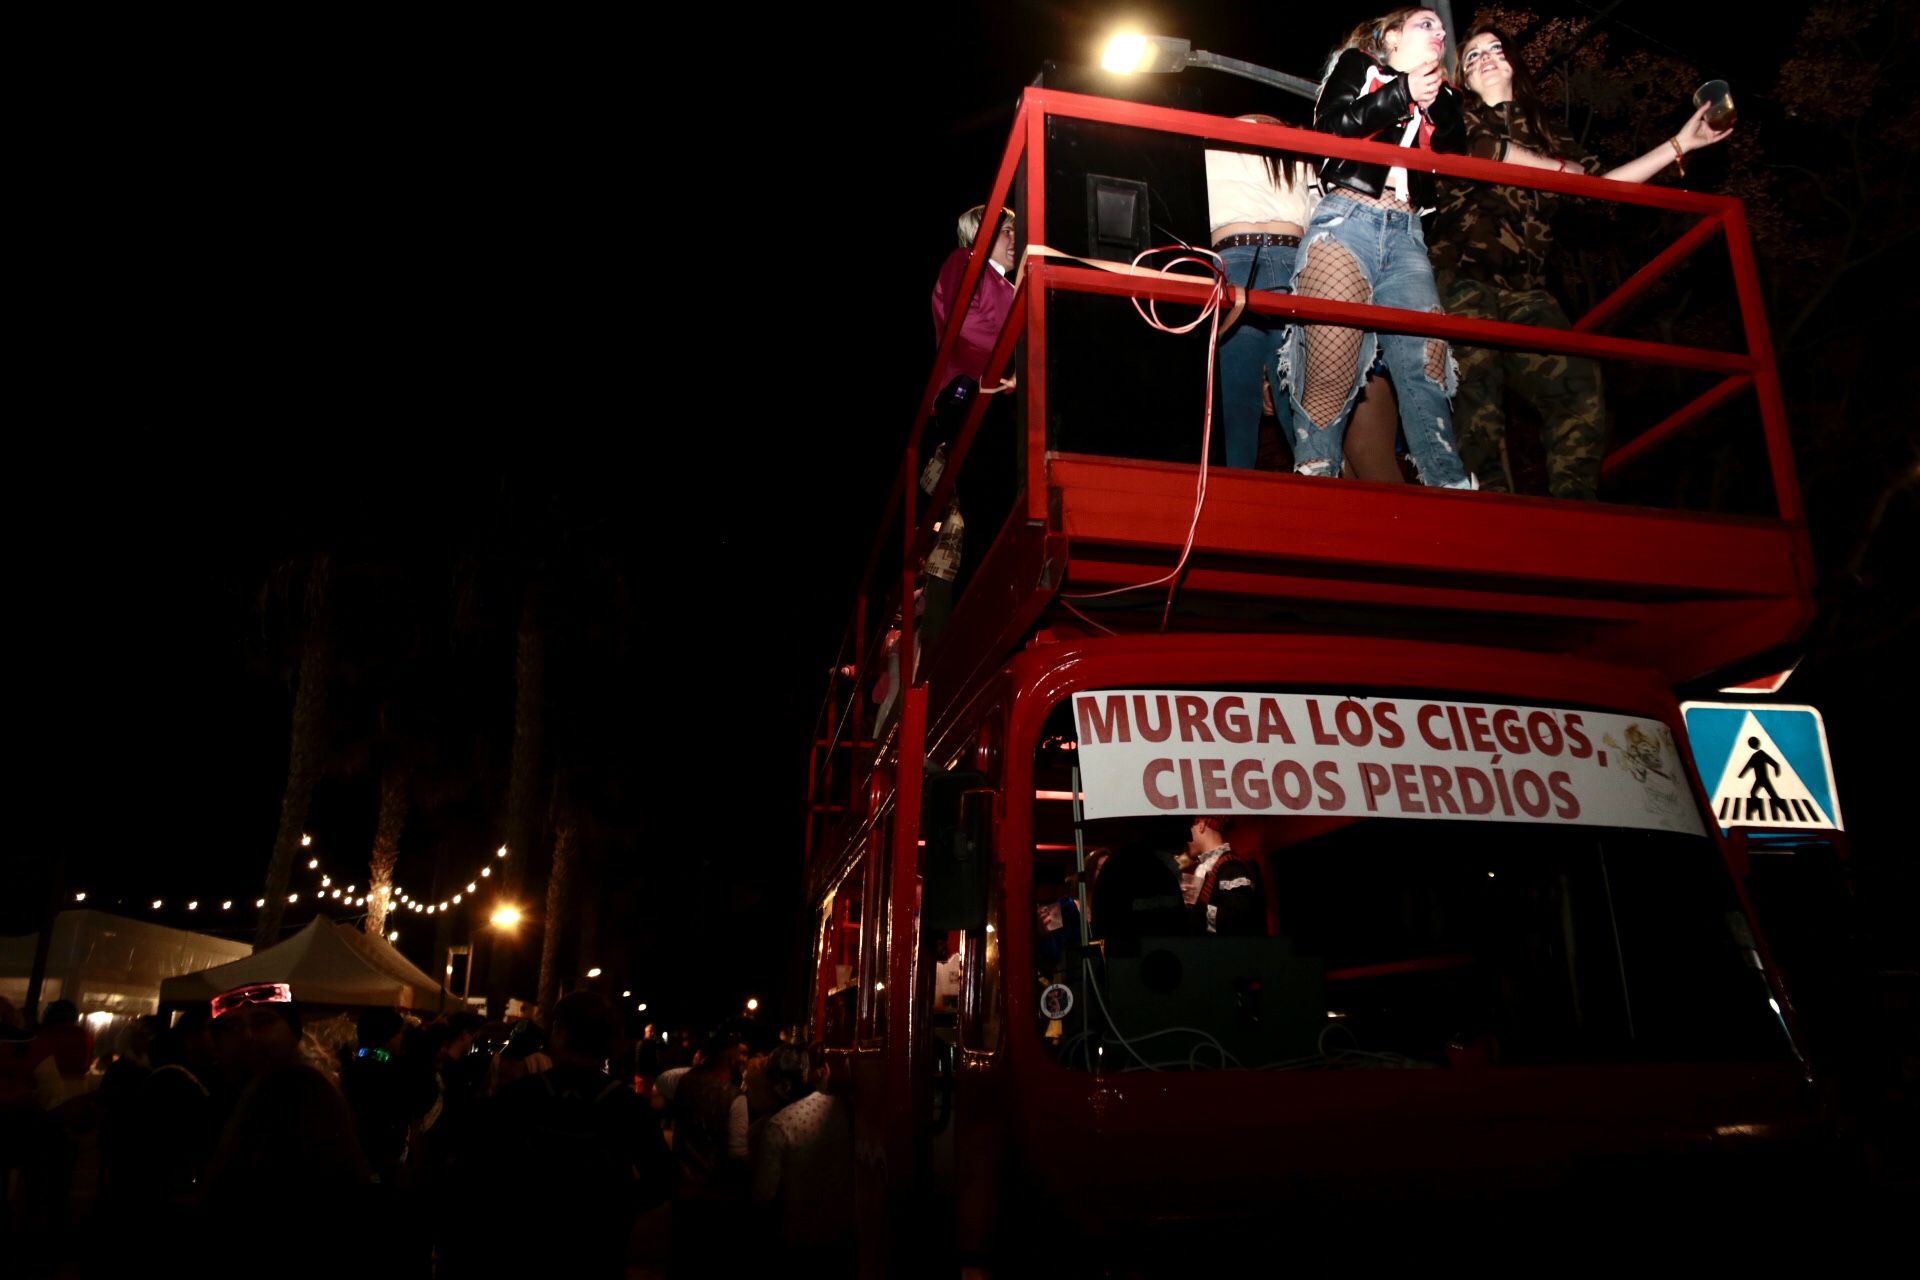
<point>1390,943</point>
<point>839,973</point>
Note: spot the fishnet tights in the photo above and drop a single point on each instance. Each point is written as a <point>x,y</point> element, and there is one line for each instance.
<point>1436,361</point>
<point>1332,350</point>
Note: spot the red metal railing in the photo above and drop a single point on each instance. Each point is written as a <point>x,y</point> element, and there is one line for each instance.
<point>1024,165</point>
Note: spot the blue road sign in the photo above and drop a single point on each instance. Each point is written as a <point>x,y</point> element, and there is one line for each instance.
<point>1763,766</point>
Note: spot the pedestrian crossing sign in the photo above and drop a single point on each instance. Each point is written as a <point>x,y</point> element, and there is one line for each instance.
<point>1764,766</point>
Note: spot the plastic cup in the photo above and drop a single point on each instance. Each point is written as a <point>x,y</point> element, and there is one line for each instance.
<point>1720,94</point>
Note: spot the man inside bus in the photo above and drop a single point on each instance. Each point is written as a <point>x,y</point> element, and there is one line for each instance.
<point>1222,891</point>
<point>1137,895</point>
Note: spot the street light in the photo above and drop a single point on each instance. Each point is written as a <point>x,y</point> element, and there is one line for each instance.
<point>505,917</point>
<point>1131,53</point>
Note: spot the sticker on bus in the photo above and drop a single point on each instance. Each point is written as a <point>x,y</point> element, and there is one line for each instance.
<point>1151,751</point>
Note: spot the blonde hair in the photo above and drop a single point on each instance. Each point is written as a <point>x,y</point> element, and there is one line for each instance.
<point>969,223</point>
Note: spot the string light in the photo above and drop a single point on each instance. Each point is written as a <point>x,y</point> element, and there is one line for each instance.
<point>394,936</point>
<point>79,897</point>
<point>395,895</point>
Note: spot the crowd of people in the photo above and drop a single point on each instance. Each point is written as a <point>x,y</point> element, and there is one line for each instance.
<point>446,1145</point>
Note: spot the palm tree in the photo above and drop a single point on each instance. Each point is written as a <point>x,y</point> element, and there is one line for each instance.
<point>394,794</point>
<point>559,873</point>
<point>305,747</point>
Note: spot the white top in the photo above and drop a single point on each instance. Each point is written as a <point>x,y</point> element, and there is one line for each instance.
<point>1239,189</point>
<point>805,1164</point>
<point>668,1082</point>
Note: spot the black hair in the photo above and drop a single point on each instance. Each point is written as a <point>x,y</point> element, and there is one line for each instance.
<point>466,1022</point>
<point>584,1023</point>
<point>789,1068</point>
<point>377,1026</point>
<point>1527,101</point>
<point>719,1045</point>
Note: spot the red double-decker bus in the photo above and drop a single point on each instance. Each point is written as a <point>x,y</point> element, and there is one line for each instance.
<point>1505,950</point>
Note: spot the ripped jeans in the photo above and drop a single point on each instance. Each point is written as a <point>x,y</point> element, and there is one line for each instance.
<point>1384,262</point>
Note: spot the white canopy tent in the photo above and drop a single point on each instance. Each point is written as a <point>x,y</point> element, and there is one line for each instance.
<point>326,964</point>
<point>106,963</point>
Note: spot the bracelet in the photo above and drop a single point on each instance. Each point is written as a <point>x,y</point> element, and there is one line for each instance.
<point>1679,156</point>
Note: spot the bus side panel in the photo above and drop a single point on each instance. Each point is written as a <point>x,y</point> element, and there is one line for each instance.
<point>981,1111</point>
<point>870,1172</point>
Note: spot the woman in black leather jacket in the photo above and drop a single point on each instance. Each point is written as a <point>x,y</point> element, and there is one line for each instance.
<point>1365,244</point>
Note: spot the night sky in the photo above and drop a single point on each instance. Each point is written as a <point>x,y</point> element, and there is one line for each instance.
<point>426,296</point>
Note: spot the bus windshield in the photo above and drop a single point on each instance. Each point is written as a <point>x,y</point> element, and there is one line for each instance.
<point>1321,942</point>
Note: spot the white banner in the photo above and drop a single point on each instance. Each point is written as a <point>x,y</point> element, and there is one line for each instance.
<point>1152,751</point>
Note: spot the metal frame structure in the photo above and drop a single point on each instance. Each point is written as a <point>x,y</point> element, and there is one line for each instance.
<point>1093,510</point>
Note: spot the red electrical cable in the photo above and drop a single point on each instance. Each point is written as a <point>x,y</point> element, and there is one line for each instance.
<point>1151,314</point>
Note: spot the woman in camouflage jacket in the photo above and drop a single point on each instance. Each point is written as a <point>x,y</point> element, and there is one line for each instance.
<point>1489,250</point>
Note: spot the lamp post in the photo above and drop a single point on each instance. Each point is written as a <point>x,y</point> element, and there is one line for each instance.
<point>1131,53</point>
<point>505,919</point>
